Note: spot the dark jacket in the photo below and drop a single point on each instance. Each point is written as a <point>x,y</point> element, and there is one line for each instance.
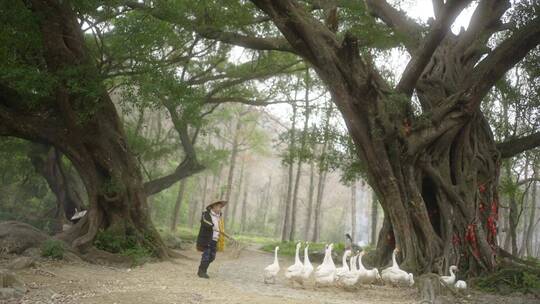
<point>206,231</point>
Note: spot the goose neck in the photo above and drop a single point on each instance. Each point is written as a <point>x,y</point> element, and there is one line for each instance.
<point>394,263</point>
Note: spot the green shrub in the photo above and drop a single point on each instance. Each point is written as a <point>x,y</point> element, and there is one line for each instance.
<point>53,249</point>
<point>138,254</point>
<point>108,241</point>
<point>127,246</point>
<point>531,281</point>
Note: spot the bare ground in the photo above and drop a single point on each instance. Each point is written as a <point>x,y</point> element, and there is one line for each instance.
<point>233,281</point>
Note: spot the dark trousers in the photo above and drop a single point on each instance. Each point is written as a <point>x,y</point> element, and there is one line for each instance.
<point>208,256</point>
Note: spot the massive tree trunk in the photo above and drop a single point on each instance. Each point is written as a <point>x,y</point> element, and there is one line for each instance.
<point>436,174</point>
<point>84,125</point>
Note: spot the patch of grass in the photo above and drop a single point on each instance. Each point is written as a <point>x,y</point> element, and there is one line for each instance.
<point>254,239</point>
<point>53,249</point>
<point>108,241</point>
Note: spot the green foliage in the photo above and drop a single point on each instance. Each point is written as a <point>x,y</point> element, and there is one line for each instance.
<point>114,243</point>
<point>371,33</point>
<point>22,66</point>
<point>53,249</point>
<point>129,246</point>
<point>139,255</point>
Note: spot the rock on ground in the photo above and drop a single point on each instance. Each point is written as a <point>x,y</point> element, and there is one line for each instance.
<point>21,263</point>
<point>10,286</point>
<point>16,237</point>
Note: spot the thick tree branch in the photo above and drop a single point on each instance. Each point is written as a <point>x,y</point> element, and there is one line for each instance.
<point>17,120</point>
<point>528,180</point>
<point>185,169</point>
<point>485,20</point>
<point>251,76</point>
<point>422,56</point>
<point>189,166</point>
<point>515,146</point>
<point>398,21</point>
<point>421,138</point>
<point>251,42</point>
<point>298,27</point>
<point>437,7</point>
<point>502,59</point>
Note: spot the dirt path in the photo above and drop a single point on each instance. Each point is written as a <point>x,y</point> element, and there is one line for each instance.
<point>233,281</point>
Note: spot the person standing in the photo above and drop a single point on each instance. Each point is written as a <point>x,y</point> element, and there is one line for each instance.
<point>210,238</point>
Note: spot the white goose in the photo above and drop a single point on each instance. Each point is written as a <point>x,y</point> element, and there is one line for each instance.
<point>271,271</point>
<point>395,276</point>
<point>344,269</point>
<point>451,279</point>
<point>326,272</point>
<point>462,285</point>
<point>294,271</point>
<point>308,267</point>
<point>367,276</point>
<point>351,278</point>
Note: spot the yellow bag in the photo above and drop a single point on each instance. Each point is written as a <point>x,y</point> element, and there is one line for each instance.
<point>221,239</point>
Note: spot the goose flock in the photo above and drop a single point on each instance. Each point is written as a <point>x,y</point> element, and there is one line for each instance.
<point>348,275</point>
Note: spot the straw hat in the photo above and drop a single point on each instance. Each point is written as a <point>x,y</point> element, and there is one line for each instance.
<point>223,203</point>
